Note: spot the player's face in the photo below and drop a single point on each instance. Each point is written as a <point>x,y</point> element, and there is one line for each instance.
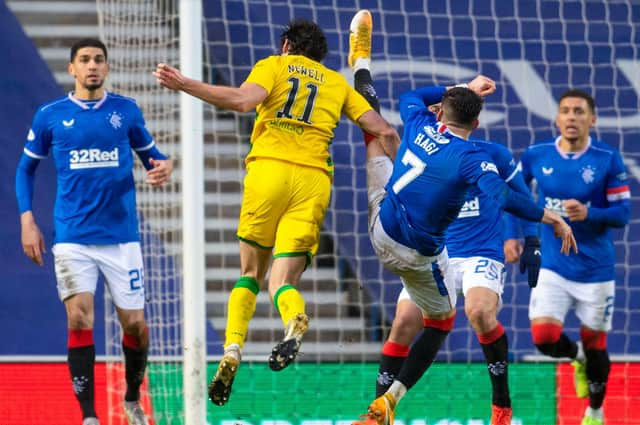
<point>574,119</point>
<point>89,68</point>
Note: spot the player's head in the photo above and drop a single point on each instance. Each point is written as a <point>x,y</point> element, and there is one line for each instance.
<point>88,63</point>
<point>460,107</point>
<point>576,115</point>
<point>306,38</point>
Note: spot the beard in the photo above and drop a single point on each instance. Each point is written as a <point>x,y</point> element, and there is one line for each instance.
<point>94,86</point>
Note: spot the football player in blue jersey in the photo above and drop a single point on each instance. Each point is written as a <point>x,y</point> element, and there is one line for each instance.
<point>91,134</point>
<point>585,181</point>
<point>413,201</point>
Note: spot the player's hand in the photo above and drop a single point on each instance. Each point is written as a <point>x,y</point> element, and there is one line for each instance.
<point>531,260</point>
<point>482,86</point>
<point>576,210</point>
<point>169,77</point>
<point>561,230</point>
<point>160,173</point>
<point>512,250</point>
<point>32,239</point>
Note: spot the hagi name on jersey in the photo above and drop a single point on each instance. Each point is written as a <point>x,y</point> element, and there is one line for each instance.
<point>471,208</point>
<point>93,158</point>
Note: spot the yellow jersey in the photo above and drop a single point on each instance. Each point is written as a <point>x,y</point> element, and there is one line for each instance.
<point>304,102</point>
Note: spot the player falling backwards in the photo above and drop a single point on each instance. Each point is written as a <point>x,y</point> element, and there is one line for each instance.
<point>415,199</point>
<point>91,134</point>
<point>475,248</point>
<point>287,187</point>
<point>585,181</point>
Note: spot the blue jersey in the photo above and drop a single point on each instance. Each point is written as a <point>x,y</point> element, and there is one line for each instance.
<point>91,144</point>
<point>432,172</point>
<point>478,230</point>
<point>597,178</point>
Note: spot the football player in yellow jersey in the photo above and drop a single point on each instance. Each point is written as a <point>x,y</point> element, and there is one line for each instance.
<point>287,187</point>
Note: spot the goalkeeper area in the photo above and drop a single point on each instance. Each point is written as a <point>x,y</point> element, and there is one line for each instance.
<point>534,50</point>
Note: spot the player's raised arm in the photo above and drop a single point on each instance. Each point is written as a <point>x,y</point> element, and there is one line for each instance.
<point>242,99</point>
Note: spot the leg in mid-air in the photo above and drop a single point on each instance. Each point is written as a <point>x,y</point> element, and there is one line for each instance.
<point>283,279</point>
<point>241,306</point>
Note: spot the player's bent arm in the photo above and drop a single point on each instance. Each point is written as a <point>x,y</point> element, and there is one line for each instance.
<point>374,124</point>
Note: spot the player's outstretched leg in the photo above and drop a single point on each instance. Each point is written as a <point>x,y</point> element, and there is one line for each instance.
<point>220,386</point>
<point>134,413</point>
<point>286,350</point>
<point>380,412</point>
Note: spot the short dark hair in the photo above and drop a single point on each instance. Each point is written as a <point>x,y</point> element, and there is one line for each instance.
<point>306,38</point>
<point>581,94</point>
<point>87,42</point>
<point>461,106</point>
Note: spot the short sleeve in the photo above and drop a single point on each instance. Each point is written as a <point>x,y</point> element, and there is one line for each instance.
<point>39,136</point>
<point>263,73</point>
<point>355,104</point>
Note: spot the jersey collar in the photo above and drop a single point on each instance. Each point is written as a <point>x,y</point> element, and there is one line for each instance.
<point>575,155</point>
<point>83,105</point>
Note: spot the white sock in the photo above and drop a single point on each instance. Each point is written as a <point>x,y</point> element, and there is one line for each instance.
<point>234,350</point>
<point>361,63</point>
<point>594,413</point>
<point>397,390</point>
<point>580,355</point>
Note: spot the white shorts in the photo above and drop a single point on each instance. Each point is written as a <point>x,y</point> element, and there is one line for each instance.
<point>77,267</point>
<point>473,272</point>
<point>554,296</point>
<point>424,278</point>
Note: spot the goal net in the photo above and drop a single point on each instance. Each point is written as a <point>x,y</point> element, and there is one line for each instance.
<point>534,50</point>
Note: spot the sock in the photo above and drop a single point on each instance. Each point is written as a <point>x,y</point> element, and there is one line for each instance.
<point>495,347</point>
<point>423,351</point>
<point>550,340</point>
<point>81,358</point>
<point>391,361</point>
<point>135,350</point>
<point>598,367</point>
<point>240,309</point>
<point>288,302</point>
<point>363,83</point>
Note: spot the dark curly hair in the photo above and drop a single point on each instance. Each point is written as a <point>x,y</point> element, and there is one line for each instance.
<point>306,38</point>
<point>461,106</point>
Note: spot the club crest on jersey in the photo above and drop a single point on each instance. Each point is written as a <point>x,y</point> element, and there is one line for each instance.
<point>68,124</point>
<point>115,119</point>
<point>31,136</point>
<point>588,174</point>
<point>547,171</point>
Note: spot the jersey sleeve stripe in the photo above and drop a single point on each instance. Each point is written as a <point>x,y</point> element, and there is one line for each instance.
<point>618,193</point>
<point>618,189</point>
<point>145,148</point>
<point>33,155</point>
<point>514,173</point>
